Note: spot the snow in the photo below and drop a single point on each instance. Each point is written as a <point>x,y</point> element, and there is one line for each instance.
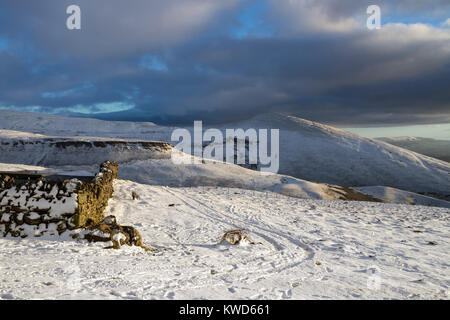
<point>304,249</point>
<point>70,126</point>
<point>392,195</point>
<point>439,149</point>
<point>59,151</point>
<point>211,173</point>
<point>320,153</point>
<point>37,199</point>
<point>75,171</point>
<point>303,244</point>
<point>308,150</point>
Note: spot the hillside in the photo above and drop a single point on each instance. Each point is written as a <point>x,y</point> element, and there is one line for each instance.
<point>308,150</point>
<point>36,149</point>
<point>321,153</point>
<point>439,149</point>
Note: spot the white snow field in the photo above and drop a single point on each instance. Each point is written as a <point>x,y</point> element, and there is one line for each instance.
<point>304,249</point>
<point>392,195</point>
<point>308,150</point>
<point>439,149</point>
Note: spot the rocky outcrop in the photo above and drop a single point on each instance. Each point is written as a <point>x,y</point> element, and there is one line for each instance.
<point>109,231</point>
<point>58,151</point>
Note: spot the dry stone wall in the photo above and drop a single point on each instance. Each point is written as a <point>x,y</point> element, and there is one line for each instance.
<point>93,197</point>
<point>34,205</point>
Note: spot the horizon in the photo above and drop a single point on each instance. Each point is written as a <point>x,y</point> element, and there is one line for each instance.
<point>221,62</point>
<point>431,131</point>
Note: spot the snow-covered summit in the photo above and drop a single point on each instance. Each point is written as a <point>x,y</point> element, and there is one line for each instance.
<point>321,153</point>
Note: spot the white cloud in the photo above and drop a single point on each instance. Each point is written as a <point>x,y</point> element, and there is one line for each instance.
<point>446,23</point>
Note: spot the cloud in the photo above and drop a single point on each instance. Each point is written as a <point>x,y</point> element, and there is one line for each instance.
<point>94,109</point>
<point>65,93</point>
<point>153,63</point>
<point>446,23</point>
<point>225,60</point>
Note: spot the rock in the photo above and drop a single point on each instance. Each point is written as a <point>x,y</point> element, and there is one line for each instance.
<point>134,195</point>
<point>61,227</point>
<point>109,230</point>
<point>32,218</point>
<point>134,235</point>
<point>235,237</point>
<point>109,220</point>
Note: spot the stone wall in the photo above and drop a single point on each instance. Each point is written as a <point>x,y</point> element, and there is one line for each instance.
<point>93,197</point>
<point>34,205</point>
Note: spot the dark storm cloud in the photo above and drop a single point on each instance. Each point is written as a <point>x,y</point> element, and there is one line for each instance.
<point>320,62</point>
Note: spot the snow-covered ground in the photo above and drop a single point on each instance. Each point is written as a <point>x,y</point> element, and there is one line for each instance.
<point>308,150</point>
<point>307,245</point>
<point>304,249</point>
<point>392,195</point>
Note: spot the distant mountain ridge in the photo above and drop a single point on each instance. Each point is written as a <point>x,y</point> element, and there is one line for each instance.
<point>439,149</point>
<point>308,150</point>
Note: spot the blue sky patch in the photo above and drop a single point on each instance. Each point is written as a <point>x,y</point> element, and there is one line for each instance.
<point>3,44</point>
<point>152,62</point>
<point>252,23</point>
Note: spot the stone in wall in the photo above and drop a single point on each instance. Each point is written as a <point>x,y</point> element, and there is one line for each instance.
<point>31,205</point>
<point>93,196</point>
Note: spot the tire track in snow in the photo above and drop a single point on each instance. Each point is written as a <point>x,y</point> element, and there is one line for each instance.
<point>307,252</point>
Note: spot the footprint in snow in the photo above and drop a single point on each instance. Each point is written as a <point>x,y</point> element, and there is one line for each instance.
<point>170,295</point>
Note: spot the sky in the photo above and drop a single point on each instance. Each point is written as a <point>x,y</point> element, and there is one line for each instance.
<point>176,61</point>
<point>433,131</point>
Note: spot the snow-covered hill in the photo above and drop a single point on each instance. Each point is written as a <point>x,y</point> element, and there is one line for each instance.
<point>392,195</point>
<point>52,125</point>
<point>36,149</point>
<point>308,150</point>
<point>439,149</point>
<point>304,249</point>
<point>321,153</point>
<point>162,172</point>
